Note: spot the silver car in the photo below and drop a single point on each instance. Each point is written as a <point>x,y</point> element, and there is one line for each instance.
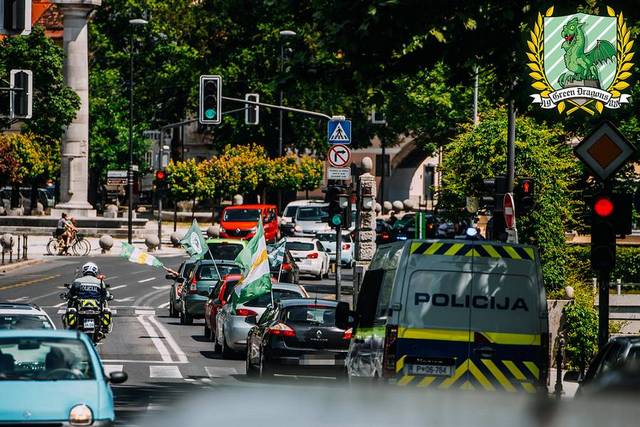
<point>310,220</point>
<point>232,328</point>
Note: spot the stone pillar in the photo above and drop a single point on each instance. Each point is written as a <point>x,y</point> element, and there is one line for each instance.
<point>74,168</point>
<point>366,227</point>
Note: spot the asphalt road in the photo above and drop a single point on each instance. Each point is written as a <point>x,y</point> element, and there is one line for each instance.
<point>166,362</point>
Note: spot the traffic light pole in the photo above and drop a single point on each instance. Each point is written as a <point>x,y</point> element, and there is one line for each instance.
<point>603,308</point>
<point>338,262</point>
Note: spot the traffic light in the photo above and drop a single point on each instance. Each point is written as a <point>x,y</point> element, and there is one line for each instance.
<point>603,234</point>
<point>493,190</point>
<point>16,17</point>
<point>524,195</point>
<point>252,112</point>
<point>210,100</point>
<point>21,96</point>
<point>161,180</point>
<point>338,213</point>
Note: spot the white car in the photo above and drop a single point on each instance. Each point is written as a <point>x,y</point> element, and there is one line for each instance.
<point>24,316</point>
<point>310,256</point>
<point>233,328</point>
<point>310,220</point>
<point>328,241</point>
<point>289,213</point>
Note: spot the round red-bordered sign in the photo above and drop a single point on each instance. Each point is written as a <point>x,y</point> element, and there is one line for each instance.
<point>339,155</point>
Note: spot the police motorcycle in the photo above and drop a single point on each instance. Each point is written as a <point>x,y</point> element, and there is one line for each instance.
<point>87,304</point>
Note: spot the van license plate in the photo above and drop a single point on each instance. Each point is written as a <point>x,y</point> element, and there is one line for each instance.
<point>89,324</point>
<point>436,370</point>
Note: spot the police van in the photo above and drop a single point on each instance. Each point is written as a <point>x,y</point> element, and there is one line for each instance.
<point>449,314</point>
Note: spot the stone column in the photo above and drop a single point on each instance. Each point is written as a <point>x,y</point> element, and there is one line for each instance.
<point>74,168</point>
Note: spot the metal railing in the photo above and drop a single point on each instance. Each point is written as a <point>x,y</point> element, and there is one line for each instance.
<point>21,252</point>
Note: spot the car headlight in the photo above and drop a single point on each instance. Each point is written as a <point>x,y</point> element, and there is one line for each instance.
<point>297,228</point>
<point>222,230</point>
<point>80,415</point>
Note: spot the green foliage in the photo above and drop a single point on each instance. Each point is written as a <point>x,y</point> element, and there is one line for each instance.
<point>627,263</point>
<point>312,171</point>
<point>284,173</point>
<point>184,180</point>
<point>580,332</point>
<point>480,152</point>
<point>26,159</point>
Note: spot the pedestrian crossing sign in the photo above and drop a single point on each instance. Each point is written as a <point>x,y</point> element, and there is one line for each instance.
<point>339,132</point>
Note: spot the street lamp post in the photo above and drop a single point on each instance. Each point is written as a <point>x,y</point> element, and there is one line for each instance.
<point>132,23</point>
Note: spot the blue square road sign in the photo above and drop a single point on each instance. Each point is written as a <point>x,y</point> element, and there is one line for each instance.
<point>339,132</point>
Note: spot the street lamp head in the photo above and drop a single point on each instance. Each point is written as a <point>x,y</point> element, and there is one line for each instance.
<point>138,21</point>
<point>287,33</point>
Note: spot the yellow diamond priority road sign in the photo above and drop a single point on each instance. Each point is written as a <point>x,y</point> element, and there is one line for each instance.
<point>604,151</point>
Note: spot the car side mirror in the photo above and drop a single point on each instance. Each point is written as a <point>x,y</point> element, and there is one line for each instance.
<point>170,277</point>
<point>345,318</point>
<point>180,279</point>
<point>252,320</point>
<point>118,377</point>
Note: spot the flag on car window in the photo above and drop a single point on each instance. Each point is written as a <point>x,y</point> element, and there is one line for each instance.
<point>193,242</point>
<point>254,265</point>
<point>134,254</point>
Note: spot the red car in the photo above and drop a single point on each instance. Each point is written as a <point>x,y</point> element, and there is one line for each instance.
<point>218,298</point>
<point>241,222</point>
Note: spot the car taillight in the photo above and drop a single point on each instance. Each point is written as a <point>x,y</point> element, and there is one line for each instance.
<point>348,334</point>
<point>313,255</point>
<point>193,288</point>
<point>346,246</point>
<point>286,266</point>
<point>245,312</point>
<point>389,355</point>
<point>281,329</point>
<point>385,235</point>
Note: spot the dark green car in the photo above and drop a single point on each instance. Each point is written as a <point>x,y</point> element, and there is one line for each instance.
<point>195,291</point>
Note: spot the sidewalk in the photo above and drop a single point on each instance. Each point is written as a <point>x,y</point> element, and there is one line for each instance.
<point>568,388</point>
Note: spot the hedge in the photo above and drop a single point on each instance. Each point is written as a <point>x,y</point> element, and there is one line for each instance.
<point>627,263</point>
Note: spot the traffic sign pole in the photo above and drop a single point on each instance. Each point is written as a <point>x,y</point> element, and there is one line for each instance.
<point>339,261</point>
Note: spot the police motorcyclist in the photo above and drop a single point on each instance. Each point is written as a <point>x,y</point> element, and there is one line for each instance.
<point>91,276</point>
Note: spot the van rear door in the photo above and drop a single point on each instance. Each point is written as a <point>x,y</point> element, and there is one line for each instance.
<point>506,318</point>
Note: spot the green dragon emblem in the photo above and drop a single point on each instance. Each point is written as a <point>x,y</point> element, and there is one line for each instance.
<point>580,64</point>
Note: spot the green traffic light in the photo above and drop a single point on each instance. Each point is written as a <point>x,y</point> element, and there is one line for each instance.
<point>210,113</point>
<point>336,219</point>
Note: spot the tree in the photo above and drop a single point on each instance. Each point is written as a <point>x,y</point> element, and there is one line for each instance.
<point>251,163</point>
<point>543,153</point>
<point>184,181</point>
<point>312,174</point>
<point>284,173</point>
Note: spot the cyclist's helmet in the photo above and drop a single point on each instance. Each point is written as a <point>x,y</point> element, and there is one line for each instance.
<point>90,269</point>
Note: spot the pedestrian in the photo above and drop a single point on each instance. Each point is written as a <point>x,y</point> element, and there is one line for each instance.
<point>392,218</point>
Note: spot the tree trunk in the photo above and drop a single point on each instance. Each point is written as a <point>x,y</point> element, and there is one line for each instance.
<point>34,197</point>
<point>193,209</point>
<point>15,196</point>
<point>306,192</point>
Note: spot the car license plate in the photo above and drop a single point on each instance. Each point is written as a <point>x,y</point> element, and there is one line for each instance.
<point>319,361</point>
<point>89,324</point>
<point>435,370</point>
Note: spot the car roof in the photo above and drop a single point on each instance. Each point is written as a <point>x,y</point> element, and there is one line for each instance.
<point>39,333</point>
<point>305,202</point>
<point>306,301</point>
<point>229,241</point>
<point>254,206</point>
<point>19,308</point>
<point>632,339</point>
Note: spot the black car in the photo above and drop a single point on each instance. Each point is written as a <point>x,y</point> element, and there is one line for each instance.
<point>383,231</point>
<point>615,369</point>
<point>176,285</point>
<point>405,227</point>
<point>286,271</point>
<point>297,336</point>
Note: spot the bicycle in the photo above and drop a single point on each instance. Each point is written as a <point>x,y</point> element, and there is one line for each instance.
<point>78,245</point>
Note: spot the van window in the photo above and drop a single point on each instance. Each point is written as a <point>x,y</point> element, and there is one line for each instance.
<point>368,298</point>
<point>437,299</point>
<point>384,297</point>
<point>505,303</point>
<point>290,211</point>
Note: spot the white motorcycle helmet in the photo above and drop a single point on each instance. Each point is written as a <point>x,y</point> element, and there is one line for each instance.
<point>90,268</point>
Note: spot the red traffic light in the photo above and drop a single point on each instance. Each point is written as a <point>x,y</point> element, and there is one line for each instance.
<point>526,186</point>
<point>603,207</point>
<point>161,175</point>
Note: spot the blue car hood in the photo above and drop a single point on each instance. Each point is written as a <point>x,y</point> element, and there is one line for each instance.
<point>47,400</point>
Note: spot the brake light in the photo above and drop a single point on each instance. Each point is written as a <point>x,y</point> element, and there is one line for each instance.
<point>313,255</point>
<point>280,329</point>
<point>193,288</point>
<point>385,235</point>
<point>286,266</point>
<point>348,334</point>
<point>389,355</point>
<point>346,246</point>
<point>245,312</point>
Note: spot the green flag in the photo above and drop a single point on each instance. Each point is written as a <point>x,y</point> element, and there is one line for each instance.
<point>134,254</point>
<point>254,263</point>
<point>193,242</point>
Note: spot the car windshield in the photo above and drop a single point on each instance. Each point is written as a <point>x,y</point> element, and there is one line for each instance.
<point>300,246</point>
<point>290,211</point>
<point>278,295</point>
<point>224,251</point>
<point>319,315</point>
<point>311,213</point>
<point>210,271</point>
<point>242,215</point>
<point>44,359</point>
<point>24,321</point>
<point>187,269</point>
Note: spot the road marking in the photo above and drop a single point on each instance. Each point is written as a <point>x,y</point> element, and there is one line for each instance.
<point>165,305</point>
<point>59,305</point>
<point>219,372</point>
<point>156,339</point>
<point>18,299</point>
<point>117,287</point>
<point>147,362</point>
<point>145,312</point>
<point>62,311</point>
<point>108,369</point>
<point>146,280</point>
<point>154,407</point>
<point>164,372</point>
<point>124,299</point>
<point>167,336</point>
<point>28,282</point>
<point>161,287</point>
